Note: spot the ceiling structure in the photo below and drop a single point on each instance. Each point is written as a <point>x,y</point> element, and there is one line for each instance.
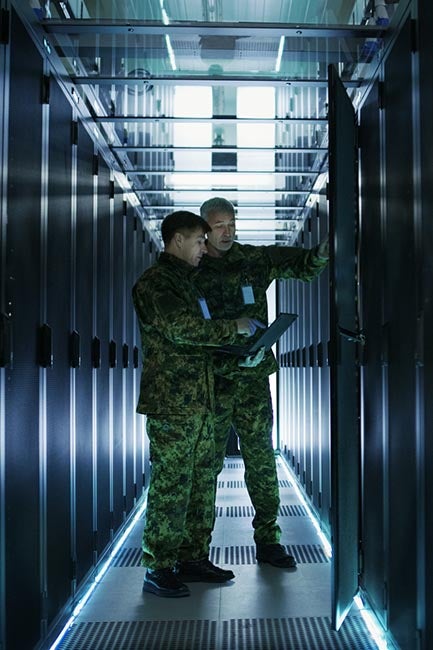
<point>199,98</point>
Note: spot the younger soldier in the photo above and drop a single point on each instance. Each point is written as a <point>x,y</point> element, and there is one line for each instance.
<point>177,395</point>
<point>234,278</point>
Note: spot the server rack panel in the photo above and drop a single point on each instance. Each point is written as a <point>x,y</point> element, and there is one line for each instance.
<point>85,373</point>
<point>59,302</point>
<point>103,486</point>
<point>116,372</point>
<point>23,580</point>
<point>373,369</point>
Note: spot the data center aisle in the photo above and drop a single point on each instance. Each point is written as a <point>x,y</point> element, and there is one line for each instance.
<point>264,608</point>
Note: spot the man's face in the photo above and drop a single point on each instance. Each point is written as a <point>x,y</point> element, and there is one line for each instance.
<point>192,246</point>
<point>222,236</point>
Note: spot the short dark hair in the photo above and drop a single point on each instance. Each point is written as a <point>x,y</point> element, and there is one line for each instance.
<point>182,221</point>
<point>217,204</point>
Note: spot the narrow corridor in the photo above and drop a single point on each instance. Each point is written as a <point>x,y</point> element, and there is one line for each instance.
<point>264,608</point>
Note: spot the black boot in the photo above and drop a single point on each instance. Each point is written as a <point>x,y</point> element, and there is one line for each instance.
<point>202,571</point>
<point>164,582</point>
<point>276,555</point>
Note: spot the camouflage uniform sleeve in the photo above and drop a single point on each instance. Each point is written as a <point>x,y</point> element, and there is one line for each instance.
<point>290,262</point>
<point>175,313</point>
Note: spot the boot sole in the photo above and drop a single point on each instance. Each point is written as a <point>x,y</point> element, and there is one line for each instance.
<point>151,589</point>
<point>186,578</point>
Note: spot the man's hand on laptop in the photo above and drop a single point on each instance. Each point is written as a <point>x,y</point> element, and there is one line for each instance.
<point>249,326</point>
<point>253,360</point>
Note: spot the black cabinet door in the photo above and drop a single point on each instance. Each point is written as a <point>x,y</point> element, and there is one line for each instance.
<point>345,445</point>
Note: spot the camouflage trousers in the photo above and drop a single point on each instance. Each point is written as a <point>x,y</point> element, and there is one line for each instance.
<point>180,505</point>
<point>246,404</point>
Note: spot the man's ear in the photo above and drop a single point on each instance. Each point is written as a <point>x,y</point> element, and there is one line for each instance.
<point>178,239</point>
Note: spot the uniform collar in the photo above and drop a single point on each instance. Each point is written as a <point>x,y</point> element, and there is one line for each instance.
<point>232,255</point>
<point>167,259</point>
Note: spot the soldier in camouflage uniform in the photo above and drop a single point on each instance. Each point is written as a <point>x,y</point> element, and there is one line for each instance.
<point>234,279</point>
<point>177,395</point>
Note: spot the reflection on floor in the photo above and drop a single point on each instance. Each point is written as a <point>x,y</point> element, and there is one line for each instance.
<point>264,608</point>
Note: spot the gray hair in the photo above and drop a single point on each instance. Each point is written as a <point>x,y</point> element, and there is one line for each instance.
<point>217,204</point>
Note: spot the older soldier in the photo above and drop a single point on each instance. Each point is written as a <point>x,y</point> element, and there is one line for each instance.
<point>234,278</point>
<point>177,396</point>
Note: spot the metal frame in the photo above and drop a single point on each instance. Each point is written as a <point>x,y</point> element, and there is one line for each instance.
<point>207,80</point>
<point>142,27</point>
<point>139,119</point>
<point>4,121</point>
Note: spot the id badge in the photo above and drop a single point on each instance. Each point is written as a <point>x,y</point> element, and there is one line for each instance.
<point>248,294</point>
<point>204,308</point>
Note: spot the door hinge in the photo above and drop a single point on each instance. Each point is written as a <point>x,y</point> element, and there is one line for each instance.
<point>353,337</point>
<point>45,89</point>
<point>45,346</point>
<point>414,35</point>
<point>357,138</point>
<point>95,164</point>
<point>381,95</point>
<point>5,28</point>
<point>5,340</point>
<point>385,595</point>
<point>74,132</point>
<point>360,560</point>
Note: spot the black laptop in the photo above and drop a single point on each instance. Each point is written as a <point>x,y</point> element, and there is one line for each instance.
<point>268,337</point>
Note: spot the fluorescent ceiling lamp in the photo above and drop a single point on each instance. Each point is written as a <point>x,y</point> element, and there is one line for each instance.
<point>319,183</point>
<point>251,136</point>
<point>192,135</point>
<point>220,180</point>
<point>170,52</point>
<point>280,54</point>
<point>255,101</point>
<point>255,226</point>
<point>192,101</point>
<point>165,18</point>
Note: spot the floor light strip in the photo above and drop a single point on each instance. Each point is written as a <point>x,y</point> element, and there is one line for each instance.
<point>376,632</point>
<point>326,545</point>
<point>98,577</point>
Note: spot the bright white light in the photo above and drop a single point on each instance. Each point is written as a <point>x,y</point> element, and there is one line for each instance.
<point>191,135</point>
<point>251,136</point>
<point>373,627</point>
<point>170,52</point>
<point>101,571</point>
<point>192,101</point>
<point>280,54</point>
<point>376,632</point>
<point>319,183</point>
<point>257,161</point>
<point>257,226</point>
<point>165,18</point>
<point>255,102</point>
<point>220,180</point>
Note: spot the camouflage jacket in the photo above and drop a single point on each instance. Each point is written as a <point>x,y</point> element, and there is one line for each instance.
<point>221,279</point>
<point>177,374</point>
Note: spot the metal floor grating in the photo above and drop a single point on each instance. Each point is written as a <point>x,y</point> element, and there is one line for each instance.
<point>233,555</point>
<point>235,634</point>
<point>288,613</point>
<point>248,511</point>
<point>282,483</point>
